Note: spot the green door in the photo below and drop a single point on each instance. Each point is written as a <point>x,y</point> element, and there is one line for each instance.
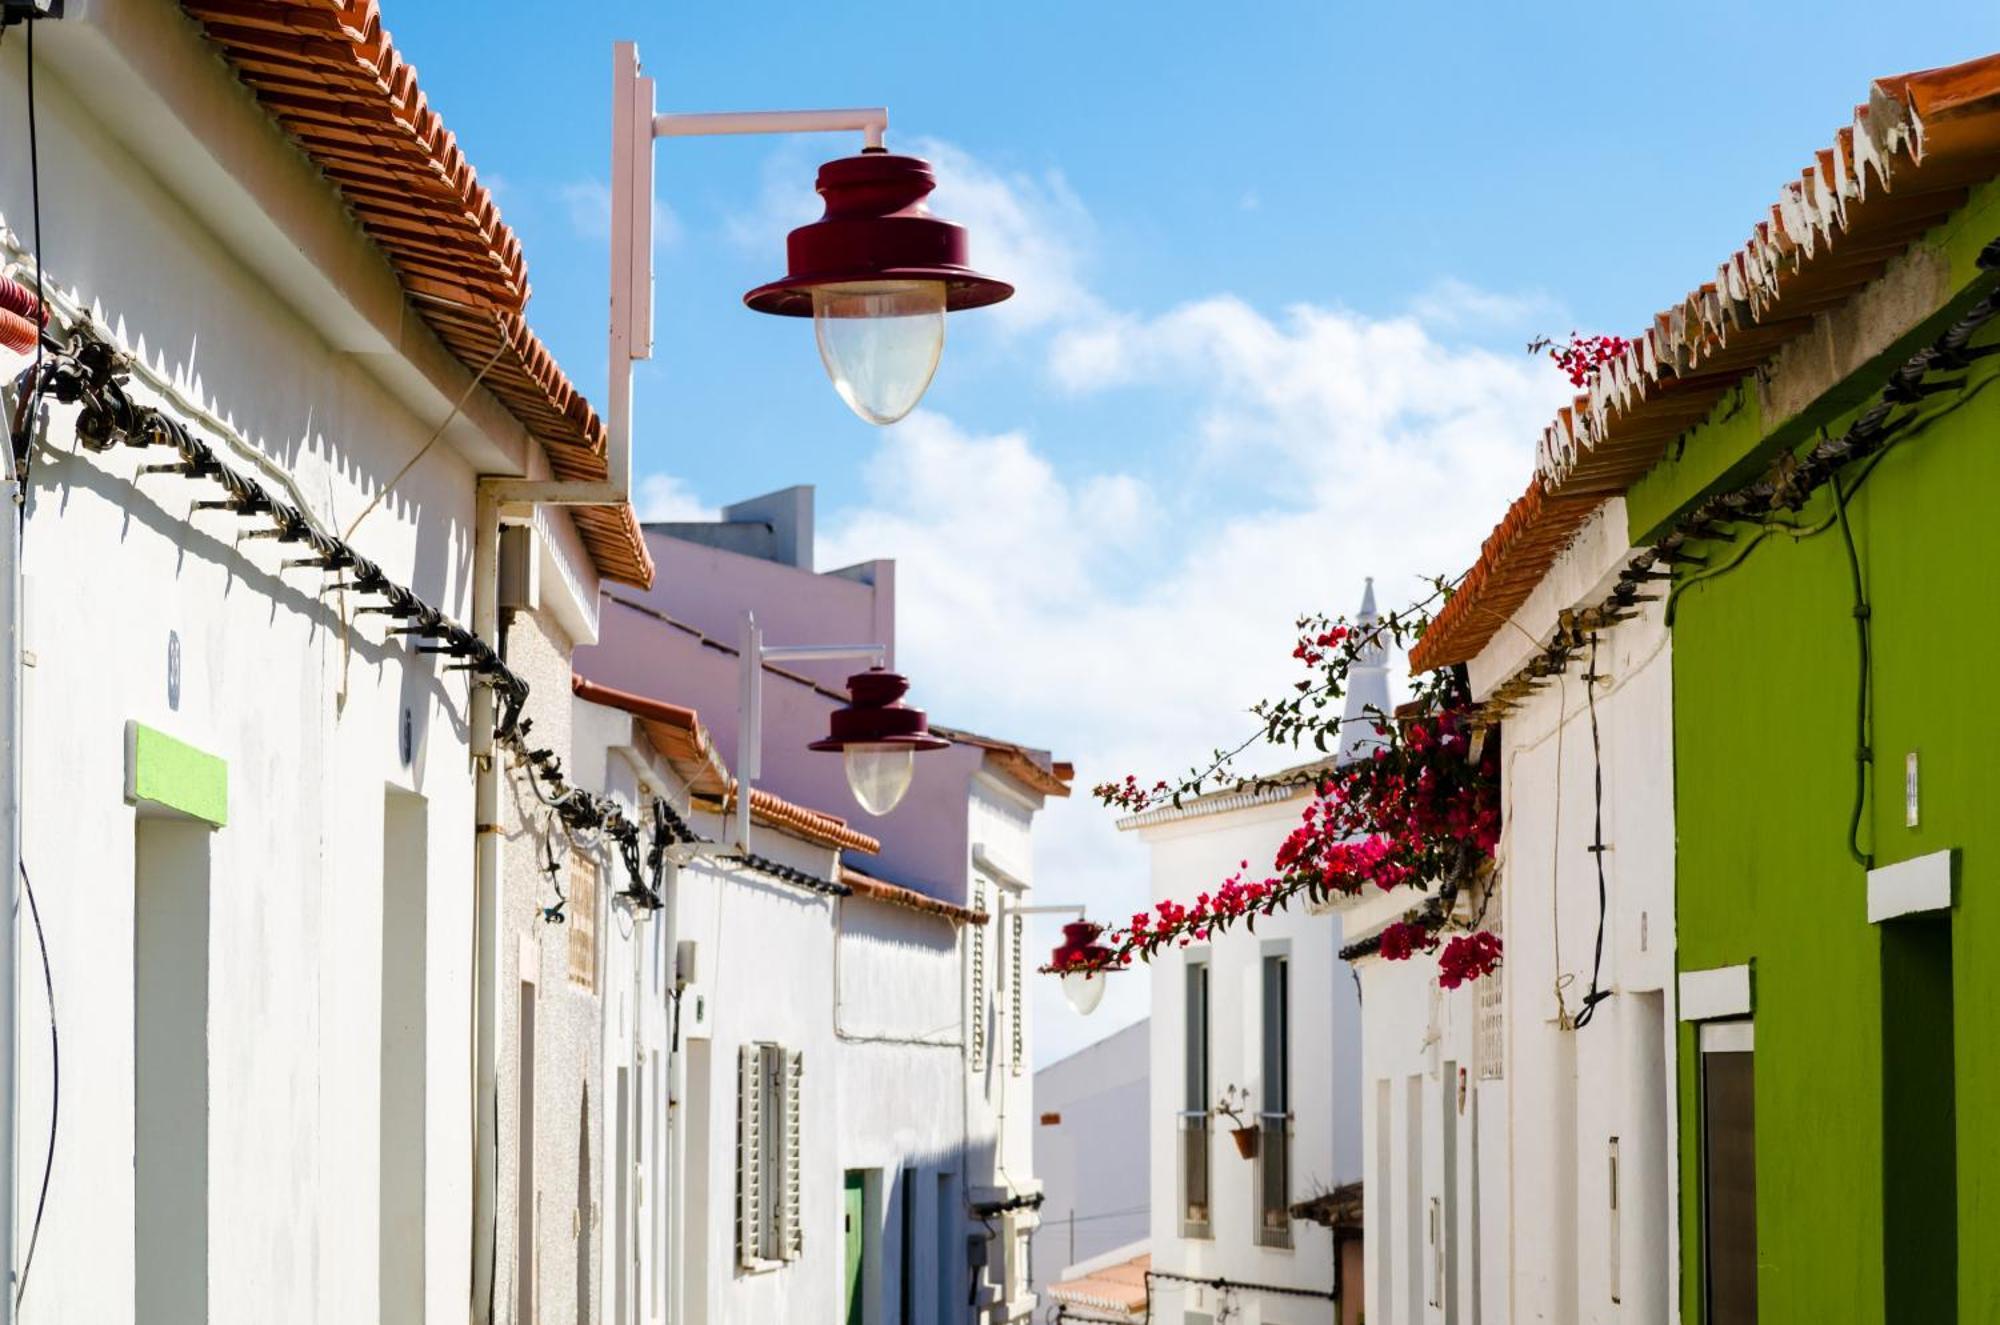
<point>853,1204</point>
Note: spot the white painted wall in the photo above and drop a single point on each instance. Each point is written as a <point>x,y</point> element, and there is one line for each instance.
<point>1191,854</point>
<point>217,256</point>
<point>902,994</point>
<point>1572,1091</point>
<point>1094,1159</point>
<point>631,1160</point>
<point>1441,1142</point>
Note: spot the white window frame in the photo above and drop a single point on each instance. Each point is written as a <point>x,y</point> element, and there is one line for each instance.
<point>1274,1124</point>
<point>1193,1135</point>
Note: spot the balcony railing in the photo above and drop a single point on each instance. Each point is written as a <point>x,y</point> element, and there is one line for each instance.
<point>1274,1179</point>
<point>1194,1174</point>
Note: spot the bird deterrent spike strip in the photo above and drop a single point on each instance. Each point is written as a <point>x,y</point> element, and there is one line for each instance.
<point>89,373</point>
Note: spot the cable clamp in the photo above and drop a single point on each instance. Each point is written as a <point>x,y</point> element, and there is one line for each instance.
<point>1862,612</point>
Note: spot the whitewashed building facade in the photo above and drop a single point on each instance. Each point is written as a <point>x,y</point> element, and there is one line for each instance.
<point>895,997</point>
<point>1093,1160</point>
<point>269,994</point>
<point>1593,1190</point>
<point>1520,1151</point>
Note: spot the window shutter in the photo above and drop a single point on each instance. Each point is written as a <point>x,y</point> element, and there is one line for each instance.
<point>1490,1044</point>
<point>749,1155</point>
<point>791,1234</point>
<point>1015,1032</point>
<point>977,1039</point>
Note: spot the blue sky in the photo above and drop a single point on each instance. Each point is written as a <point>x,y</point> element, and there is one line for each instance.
<point>1277,263</point>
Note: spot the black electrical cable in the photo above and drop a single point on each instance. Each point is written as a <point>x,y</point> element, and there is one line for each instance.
<point>55,1078</point>
<point>20,514</point>
<point>21,459</point>
<point>35,219</point>
<point>1597,994</point>
<point>1864,754</point>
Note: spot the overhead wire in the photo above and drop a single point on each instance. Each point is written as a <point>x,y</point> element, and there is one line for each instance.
<point>1596,994</point>
<point>21,461</point>
<point>55,1082</point>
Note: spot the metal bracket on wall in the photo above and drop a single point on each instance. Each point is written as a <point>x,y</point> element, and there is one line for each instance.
<point>20,11</point>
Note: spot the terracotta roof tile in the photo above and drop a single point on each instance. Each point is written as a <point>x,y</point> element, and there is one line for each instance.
<point>1030,767</point>
<point>678,734</point>
<point>814,825</point>
<point>1903,165</point>
<point>1120,1287</point>
<point>895,894</point>
<point>329,74</point>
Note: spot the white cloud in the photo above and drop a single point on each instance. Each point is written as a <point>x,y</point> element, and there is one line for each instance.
<point>588,204</point>
<point>1128,617</point>
<point>1451,304</point>
<point>1029,229</point>
<point>666,499</point>
<point>1127,621</point>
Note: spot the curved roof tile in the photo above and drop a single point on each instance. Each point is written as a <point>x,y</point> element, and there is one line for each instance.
<point>1903,164</point>
<point>328,73</point>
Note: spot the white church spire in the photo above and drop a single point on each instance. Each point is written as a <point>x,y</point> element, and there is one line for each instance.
<point>1367,685</point>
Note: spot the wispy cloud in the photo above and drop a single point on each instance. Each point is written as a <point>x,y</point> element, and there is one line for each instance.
<point>1450,304</point>
<point>1130,623</point>
<point>1129,616</point>
<point>587,203</point>
<point>664,498</point>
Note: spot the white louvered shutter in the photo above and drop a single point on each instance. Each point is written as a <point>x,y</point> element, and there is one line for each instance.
<point>749,1155</point>
<point>1490,1046</point>
<point>1016,1030</point>
<point>977,1039</point>
<point>791,1231</point>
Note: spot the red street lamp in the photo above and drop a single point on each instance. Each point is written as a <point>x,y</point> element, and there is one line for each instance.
<point>1083,963</point>
<point>877,273</point>
<point>877,734</point>
<point>878,737</point>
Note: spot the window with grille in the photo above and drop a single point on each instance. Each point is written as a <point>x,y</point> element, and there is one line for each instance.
<point>976,1040</point>
<point>1490,1047</point>
<point>581,913</point>
<point>1274,1119</point>
<point>1016,1031</point>
<point>769,1230</point>
<point>1194,1132</point>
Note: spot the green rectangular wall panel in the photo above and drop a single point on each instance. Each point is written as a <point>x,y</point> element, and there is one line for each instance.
<point>160,770</point>
<point>1765,685</point>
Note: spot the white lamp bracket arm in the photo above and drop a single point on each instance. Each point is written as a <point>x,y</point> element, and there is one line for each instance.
<point>635,127</point>
<point>871,122</point>
<point>753,656</point>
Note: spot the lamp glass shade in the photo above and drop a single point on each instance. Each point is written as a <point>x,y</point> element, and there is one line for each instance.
<point>1084,990</point>
<point>879,774</point>
<point>880,342</point>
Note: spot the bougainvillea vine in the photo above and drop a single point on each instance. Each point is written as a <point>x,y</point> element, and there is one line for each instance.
<point>1415,803</point>
<point>1581,357</point>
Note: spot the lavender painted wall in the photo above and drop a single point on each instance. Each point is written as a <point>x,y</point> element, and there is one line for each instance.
<point>925,841</point>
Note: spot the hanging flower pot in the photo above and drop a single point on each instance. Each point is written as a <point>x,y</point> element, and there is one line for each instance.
<point>1235,1106</point>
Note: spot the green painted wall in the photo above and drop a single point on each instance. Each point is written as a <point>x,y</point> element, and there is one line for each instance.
<point>1765,683</point>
